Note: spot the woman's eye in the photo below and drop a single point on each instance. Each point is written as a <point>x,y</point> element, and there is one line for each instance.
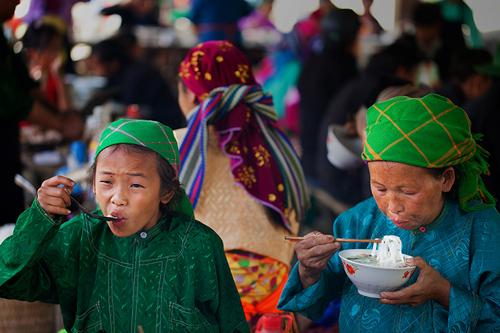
<point>107,182</point>
<point>136,186</point>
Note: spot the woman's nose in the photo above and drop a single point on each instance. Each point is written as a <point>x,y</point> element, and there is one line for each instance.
<point>395,206</point>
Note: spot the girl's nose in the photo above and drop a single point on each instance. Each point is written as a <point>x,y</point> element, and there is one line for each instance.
<point>119,199</point>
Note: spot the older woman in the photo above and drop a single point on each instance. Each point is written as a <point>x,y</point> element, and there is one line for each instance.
<point>425,168</point>
<point>240,172</point>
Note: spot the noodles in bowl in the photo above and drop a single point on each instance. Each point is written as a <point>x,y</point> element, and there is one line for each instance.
<point>379,269</point>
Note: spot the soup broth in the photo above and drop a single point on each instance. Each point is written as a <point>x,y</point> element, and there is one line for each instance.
<point>369,259</point>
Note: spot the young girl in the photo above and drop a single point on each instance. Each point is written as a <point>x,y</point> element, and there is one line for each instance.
<point>154,269</point>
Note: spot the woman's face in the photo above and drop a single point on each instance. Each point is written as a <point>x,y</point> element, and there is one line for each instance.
<point>409,196</point>
<point>127,186</point>
<point>186,98</point>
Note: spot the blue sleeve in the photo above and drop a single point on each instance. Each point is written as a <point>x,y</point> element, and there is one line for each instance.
<point>478,309</point>
<point>313,300</point>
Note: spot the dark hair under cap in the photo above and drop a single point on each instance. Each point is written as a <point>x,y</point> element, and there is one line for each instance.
<point>111,49</point>
<point>39,35</point>
<point>400,53</point>
<point>340,27</point>
<point>427,14</point>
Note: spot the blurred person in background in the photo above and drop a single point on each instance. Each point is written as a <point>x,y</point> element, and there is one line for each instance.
<point>43,46</point>
<point>394,65</point>
<point>307,32</point>
<point>369,24</point>
<point>260,17</point>
<point>485,116</point>
<point>457,15</point>
<point>133,83</point>
<point>55,8</point>
<point>218,19</point>
<point>134,13</point>
<point>18,93</point>
<point>436,51</point>
<point>466,83</point>
<point>323,74</point>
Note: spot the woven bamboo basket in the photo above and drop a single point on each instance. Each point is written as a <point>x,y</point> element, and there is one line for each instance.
<point>24,317</point>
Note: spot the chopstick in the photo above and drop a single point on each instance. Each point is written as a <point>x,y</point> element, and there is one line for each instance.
<point>340,240</point>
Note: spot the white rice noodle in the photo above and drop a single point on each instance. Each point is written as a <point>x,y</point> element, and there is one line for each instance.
<point>389,252</point>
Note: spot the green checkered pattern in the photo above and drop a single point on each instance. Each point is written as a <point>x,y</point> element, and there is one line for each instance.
<point>429,132</point>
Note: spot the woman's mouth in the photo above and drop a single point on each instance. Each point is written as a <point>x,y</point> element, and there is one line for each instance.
<point>401,223</point>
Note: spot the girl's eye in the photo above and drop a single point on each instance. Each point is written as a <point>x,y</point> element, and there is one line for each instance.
<point>105,182</point>
<point>136,186</point>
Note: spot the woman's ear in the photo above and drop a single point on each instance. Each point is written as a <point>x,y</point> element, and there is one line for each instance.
<point>186,98</point>
<point>448,179</point>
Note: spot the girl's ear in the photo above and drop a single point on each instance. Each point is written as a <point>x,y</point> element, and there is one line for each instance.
<point>448,179</point>
<point>165,198</point>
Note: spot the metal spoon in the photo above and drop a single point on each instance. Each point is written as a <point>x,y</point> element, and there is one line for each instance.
<point>89,213</point>
<point>24,183</point>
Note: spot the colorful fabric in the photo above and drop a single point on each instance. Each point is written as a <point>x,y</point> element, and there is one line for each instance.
<point>262,159</point>
<point>173,277</point>
<point>259,281</point>
<point>150,134</point>
<point>429,132</point>
<point>462,247</point>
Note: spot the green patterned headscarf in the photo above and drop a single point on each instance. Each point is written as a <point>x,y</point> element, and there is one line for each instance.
<point>150,134</point>
<point>429,132</point>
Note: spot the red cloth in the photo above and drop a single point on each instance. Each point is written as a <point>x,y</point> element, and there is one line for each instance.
<point>214,64</point>
<point>254,157</point>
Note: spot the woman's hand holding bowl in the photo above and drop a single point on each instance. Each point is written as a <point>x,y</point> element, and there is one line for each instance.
<point>313,254</point>
<point>430,285</point>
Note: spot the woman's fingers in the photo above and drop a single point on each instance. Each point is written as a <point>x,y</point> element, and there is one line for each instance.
<point>313,239</point>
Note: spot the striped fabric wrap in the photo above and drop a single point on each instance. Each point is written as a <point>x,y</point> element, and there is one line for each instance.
<point>262,159</point>
<point>430,132</point>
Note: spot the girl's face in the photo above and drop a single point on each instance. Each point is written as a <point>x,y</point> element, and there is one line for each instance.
<point>409,196</point>
<point>127,186</point>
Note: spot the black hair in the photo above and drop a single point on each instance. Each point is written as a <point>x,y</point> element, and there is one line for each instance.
<point>112,49</point>
<point>400,53</point>
<point>169,182</point>
<point>464,62</point>
<point>39,35</point>
<point>339,28</point>
<point>427,14</point>
<point>438,173</point>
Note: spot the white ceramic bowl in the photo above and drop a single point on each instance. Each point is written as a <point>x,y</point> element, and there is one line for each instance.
<point>372,280</point>
<point>343,151</point>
